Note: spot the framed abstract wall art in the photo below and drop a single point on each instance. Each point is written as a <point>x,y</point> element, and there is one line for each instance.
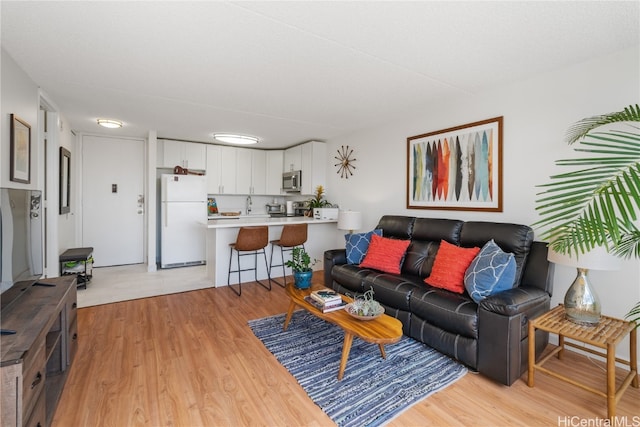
<point>20,165</point>
<point>459,168</point>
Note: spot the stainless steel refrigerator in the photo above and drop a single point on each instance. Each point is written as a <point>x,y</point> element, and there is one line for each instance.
<point>183,230</point>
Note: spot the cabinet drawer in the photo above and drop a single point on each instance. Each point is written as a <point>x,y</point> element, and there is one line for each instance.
<point>33,379</point>
<point>38,416</point>
<point>72,306</point>
<point>73,341</point>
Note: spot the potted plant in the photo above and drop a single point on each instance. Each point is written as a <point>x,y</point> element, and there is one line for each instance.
<point>599,203</point>
<point>318,201</point>
<point>301,263</point>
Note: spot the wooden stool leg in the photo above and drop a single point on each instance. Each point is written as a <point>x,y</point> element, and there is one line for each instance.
<point>611,381</point>
<point>532,354</point>
<point>633,356</point>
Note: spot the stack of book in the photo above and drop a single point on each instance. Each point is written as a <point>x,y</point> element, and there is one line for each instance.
<point>326,300</point>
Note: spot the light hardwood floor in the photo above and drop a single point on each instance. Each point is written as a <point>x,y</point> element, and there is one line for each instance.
<point>190,359</point>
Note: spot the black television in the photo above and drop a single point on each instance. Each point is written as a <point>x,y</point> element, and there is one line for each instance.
<point>21,241</point>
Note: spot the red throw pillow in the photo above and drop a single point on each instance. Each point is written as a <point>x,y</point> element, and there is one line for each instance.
<point>450,265</point>
<point>385,254</point>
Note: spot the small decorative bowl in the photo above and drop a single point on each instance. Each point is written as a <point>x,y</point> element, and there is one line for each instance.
<point>349,309</point>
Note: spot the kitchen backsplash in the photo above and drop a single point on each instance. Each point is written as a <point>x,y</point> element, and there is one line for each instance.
<point>234,203</point>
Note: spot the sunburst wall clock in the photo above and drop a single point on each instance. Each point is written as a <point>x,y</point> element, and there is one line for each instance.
<point>345,162</point>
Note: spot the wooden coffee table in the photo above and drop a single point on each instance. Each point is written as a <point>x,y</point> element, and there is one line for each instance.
<point>383,330</point>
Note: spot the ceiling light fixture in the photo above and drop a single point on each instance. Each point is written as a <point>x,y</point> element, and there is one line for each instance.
<point>231,138</point>
<point>111,124</point>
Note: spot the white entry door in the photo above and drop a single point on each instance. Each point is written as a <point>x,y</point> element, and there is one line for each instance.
<point>113,199</point>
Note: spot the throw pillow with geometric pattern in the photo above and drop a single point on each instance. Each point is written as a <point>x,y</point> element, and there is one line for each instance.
<point>357,245</point>
<point>492,271</point>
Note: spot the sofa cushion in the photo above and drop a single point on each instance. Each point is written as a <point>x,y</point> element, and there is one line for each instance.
<point>350,277</point>
<point>456,313</point>
<point>392,290</point>
<point>435,230</point>
<point>492,271</point>
<point>419,258</point>
<point>357,244</point>
<point>396,226</point>
<point>385,254</point>
<point>450,265</point>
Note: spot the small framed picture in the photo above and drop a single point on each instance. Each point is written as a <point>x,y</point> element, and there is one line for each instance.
<point>20,150</point>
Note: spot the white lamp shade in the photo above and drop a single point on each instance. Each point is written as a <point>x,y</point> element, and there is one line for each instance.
<point>596,259</point>
<point>349,220</point>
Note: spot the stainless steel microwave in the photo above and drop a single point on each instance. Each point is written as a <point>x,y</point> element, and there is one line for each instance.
<point>291,181</point>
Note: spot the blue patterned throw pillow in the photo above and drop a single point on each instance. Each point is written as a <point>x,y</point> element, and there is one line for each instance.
<point>492,271</point>
<point>357,245</point>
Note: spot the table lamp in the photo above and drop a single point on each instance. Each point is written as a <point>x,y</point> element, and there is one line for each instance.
<point>349,220</point>
<point>581,303</point>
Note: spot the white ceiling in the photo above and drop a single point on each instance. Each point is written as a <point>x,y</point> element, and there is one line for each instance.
<point>289,72</point>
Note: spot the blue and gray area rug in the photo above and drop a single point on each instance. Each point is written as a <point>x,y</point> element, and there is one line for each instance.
<point>373,390</point>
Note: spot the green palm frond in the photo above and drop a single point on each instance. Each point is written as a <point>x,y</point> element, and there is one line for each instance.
<point>580,129</point>
<point>634,315</point>
<point>597,203</point>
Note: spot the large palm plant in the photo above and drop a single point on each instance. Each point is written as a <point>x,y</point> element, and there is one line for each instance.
<point>597,203</point>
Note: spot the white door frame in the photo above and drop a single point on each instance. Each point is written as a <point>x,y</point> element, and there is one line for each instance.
<point>50,181</point>
<point>79,188</point>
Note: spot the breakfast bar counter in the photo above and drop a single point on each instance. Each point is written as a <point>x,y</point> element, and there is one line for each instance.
<point>322,234</point>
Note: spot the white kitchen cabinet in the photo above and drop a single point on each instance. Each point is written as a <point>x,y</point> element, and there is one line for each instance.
<point>189,155</point>
<point>292,159</point>
<point>313,166</point>
<point>258,172</point>
<point>273,181</point>
<point>221,169</point>
<point>251,171</point>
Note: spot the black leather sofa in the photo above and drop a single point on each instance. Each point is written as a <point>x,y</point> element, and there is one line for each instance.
<point>489,337</point>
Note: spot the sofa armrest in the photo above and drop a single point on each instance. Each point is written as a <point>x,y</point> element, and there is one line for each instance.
<point>333,257</point>
<point>515,301</point>
<point>502,332</point>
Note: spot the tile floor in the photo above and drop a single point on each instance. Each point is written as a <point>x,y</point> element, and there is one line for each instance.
<point>127,282</point>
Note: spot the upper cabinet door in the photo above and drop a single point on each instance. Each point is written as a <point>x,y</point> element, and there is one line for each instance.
<point>314,166</point>
<point>194,155</point>
<point>243,171</point>
<point>189,155</point>
<point>292,159</point>
<point>273,181</point>
<point>258,172</point>
<point>169,153</point>
<point>228,170</point>
<point>214,159</point>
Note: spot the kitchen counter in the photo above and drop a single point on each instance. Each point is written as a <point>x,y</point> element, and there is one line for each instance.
<point>225,217</point>
<point>250,220</point>
<point>321,235</point>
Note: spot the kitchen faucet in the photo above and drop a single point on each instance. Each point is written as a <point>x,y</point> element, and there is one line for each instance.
<point>248,205</point>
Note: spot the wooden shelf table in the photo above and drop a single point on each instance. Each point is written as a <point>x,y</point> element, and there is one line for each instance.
<point>605,335</point>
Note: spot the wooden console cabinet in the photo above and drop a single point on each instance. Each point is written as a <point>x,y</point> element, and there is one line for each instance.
<point>37,357</point>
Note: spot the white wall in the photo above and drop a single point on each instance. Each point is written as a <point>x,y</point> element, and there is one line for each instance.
<point>536,114</point>
<point>67,237</point>
<point>19,96</point>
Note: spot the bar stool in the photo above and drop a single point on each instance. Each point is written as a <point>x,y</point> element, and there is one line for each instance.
<point>250,241</point>
<point>292,235</point>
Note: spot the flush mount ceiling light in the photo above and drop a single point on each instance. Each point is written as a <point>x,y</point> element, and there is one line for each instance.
<point>108,123</point>
<point>231,138</point>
